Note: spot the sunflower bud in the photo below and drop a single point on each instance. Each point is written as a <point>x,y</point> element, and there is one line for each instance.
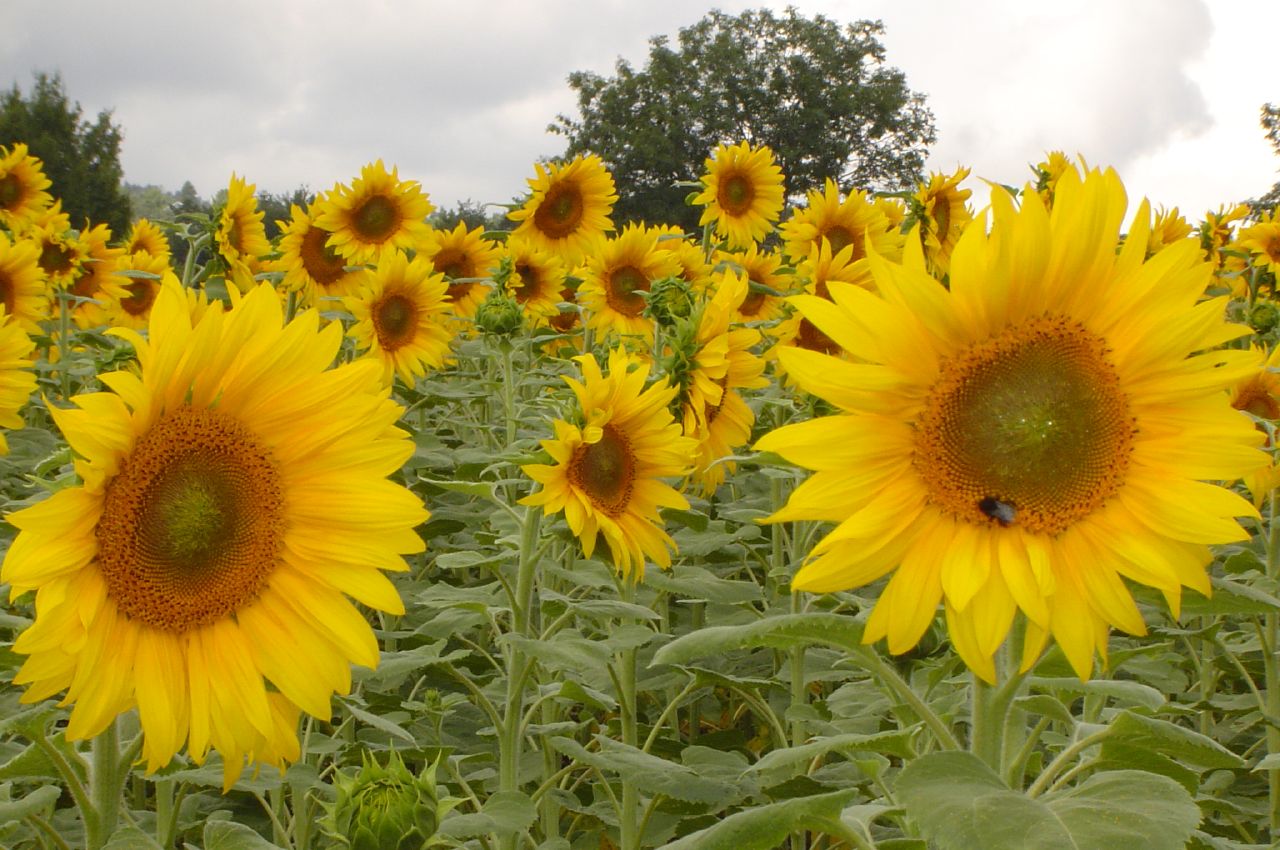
<point>386,808</point>
<point>499,315</point>
<point>669,300</point>
<point>1264,316</point>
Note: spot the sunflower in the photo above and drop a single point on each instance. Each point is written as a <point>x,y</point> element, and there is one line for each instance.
<point>22,188</point>
<point>617,274</point>
<point>535,278</point>
<point>99,278</point>
<point>23,293</point>
<point>719,364</point>
<point>61,254</point>
<point>240,237</point>
<point>131,308</point>
<point>568,207</point>
<point>379,211</point>
<point>1048,172</point>
<point>463,257</point>
<point>608,466</point>
<point>1028,438</point>
<point>762,269</point>
<point>17,378</point>
<point>694,270</point>
<point>400,317</point>
<point>842,223</point>
<point>1169,227</point>
<point>817,273</point>
<point>311,265</point>
<point>941,208</point>
<point>1262,241</point>
<point>1218,230</point>
<point>742,193</point>
<point>145,235</point>
<point>234,490</point>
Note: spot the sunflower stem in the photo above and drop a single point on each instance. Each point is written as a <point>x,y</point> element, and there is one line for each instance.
<point>627,817</point>
<point>166,815</point>
<point>986,722</point>
<point>64,343</point>
<point>1271,668</point>
<point>107,774</point>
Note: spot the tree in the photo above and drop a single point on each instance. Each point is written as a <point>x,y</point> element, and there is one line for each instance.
<point>278,208</point>
<point>817,93</point>
<point>81,159</point>
<point>473,213</point>
<point>1271,124</point>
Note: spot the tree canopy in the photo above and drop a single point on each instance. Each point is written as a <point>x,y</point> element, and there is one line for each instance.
<point>818,93</point>
<point>1271,124</point>
<point>81,159</point>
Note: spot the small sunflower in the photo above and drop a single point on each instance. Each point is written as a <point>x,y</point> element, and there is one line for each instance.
<point>23,292</point>
<point>22,188</point>
<point>311,265</point>
<point>1169,227</point>
<point>617,274</point>
<point>241,237</point>
<point>568,207</point>
<point>61,254</point>
<point>941,208</point>
<point>99,278</point>
<point>463,257</point>
<point>742,193</point>
<point>817,273</point>
<point>1028,438</point>
<point>379,211</point>
<point>535,278</point>
<point>400,317</point>
<point>234,494</point>
<point>842,223</point>
<point>131,307</point>
<point>695,270</point>
<point>1262,241</point>
<point>17,378</point>
<point>608,468</point>
<point>762,269</point>
<point>145,235</point>
<point>1048,172</point>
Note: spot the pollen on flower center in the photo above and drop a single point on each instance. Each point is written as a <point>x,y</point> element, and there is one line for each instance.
<point>1033,418</point>
<point>395,318</point>
<point>560,212</point>
<point>605,471</point>
<point>736,194</point>
<point>623,290</point>
<point>192,524</point>
<point>377,218</point>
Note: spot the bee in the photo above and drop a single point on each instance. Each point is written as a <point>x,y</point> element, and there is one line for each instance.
<point>1002,512</point>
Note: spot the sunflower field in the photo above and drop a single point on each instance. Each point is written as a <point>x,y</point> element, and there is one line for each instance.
<point>860,520</point>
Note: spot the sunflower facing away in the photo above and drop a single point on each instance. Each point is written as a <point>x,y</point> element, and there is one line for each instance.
<point>234,495</point>
<point>609,465</point>
<point>241,236</point>
<point>742,193</point>
<point>17,378</point>
<point>568,207</point>
<point>379,211</point>
<point>401,314</point>
<point>22,187</point>
<point>1029,438</point>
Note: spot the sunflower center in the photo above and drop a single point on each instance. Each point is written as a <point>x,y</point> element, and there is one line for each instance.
<point>623,290</point>
<point>605,471</point>
<point>752,304</point>
<point>1256,400</point>
<point>321,262</point>
<point>140,298</point>
<point>840,238</point>
<point>55,258</point>
<point>8,293</point>
<point>1029,427</point>
<point>452,263</point>
<point>942,216</point>
<point>808,336</point>
<point>560,212</point>
<point>192,524</point>
<point>235,237</point>
<point>10,191</point>
<point>395,318</point>
<point>529,282</point>
<point>736,194</point>
<point>711,411</point>
<point>376,219</point>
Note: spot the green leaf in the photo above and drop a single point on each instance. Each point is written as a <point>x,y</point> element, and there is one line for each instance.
<point>766,827</point>
<point>1230,597</point>
<point>697,583</point>
<point>960,804</point>
<point>131,838</point>
<point>1178,742</point>
<point>652,775</point>
<point>376,721</point>
<point>1045,706</point>
<point>504,813</point>
<point>892,743</point>
<point>787,631</point>
<point>1117,689</point>
<point>30,803</point>
<point>227,835</point>
<point>567,651</point>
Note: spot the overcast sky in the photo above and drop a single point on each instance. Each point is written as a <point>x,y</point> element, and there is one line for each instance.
<point>458,95</point>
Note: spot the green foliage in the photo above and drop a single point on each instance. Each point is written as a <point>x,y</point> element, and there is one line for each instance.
<point>1270,121</point>
<point>81,159</point>
<point>472,213</point>
<point>817,93</point>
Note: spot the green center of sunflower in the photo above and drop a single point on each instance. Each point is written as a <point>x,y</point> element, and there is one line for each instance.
<point>395,318</point>
<point>622,292</point>
<point>192,523</point>
<point>605,471</point>
<point>10,191</point>
<point>736,194</point>
<point>376,219</point>
<point>560,212</point>
<point>1029,427</point>
<point>319,260</point>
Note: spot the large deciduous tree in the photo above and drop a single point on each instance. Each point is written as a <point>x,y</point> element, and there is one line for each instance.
<point>818,93</point>
<point>81,159</point>
<point>1270,124</point>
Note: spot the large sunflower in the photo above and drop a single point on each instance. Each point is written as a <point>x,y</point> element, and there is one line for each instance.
<point>463,257</point>
<point>608,465</point>
<point>311,265</point>
<point>23,292</point>
<point>568,207</point>
<point>234,494</point>
<point>401,316</point>
<point>22,188</point>
<point>17,378</point>
<point>617,275</point>
<point>742,193</point>
<point>1028,438</point>
<point>379,211</point>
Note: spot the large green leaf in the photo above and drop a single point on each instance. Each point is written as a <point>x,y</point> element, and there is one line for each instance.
<point>504,813</point>
<point>29,804</point>
<point>961,804</point>
<point>787,631</point>
<point>226,835</point>
<point>1177,742</point>
<point>892,743</point>
<point>766,827</point>
<point>131,838</point>
<point>651,774</point>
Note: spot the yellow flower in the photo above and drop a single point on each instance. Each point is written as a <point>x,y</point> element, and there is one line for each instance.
<point>144,235</point>
<point>22,188</point>
<point>310,263</point>
<point>1217,229</point>
<point>817,273</point>
<point>568,207</point>
<point>1262,240</point>
<point>99,278</point>
<point>234,494</point>
<point>17,378</point>
<point>1028,438</point>
<point>241,237</point>
<point>131,308</point>
<point>378,212</point>
<point>23,293</point>
<point>1169,227</point>
<point>942,209</point>
<point>463,257</point>
<point>400,317</point>
<point>761,268</point>
<point>617,274</point>
<point>694,268</point>
<point>61,254</point>
<point>607,470</point>
<point>536,280</point>
<point>841,223</point>
<point>1048,172</point>
<point>742,193</point>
